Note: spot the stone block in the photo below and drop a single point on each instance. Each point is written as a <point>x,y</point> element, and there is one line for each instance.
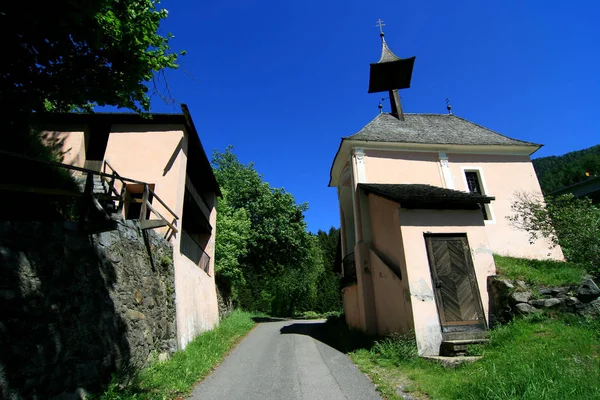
<point>134,315</point>
<point>162,357</point>
<point>524,308</point>
<point>546,303</point>
<point>520,297</point>
<point>138,297</point>
<point>108,239</point>
<point>522,285</point>
<point>172,345</point>
<point>588,291</point>
<point>552,292</point>
<point>572,301</point>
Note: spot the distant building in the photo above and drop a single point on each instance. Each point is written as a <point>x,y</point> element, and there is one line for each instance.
<point>165,154</point>
<point>588,188</point>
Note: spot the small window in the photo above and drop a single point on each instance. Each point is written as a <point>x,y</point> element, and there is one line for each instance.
<point>475,186</point>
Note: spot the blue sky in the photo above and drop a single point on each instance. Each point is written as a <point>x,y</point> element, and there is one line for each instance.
<point>283,81</point>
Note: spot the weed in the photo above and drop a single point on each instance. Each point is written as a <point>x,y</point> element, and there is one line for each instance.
<point>398,348</point>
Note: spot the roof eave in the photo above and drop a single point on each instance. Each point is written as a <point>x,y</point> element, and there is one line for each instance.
<point>525,149</point>
<point>337,165</point>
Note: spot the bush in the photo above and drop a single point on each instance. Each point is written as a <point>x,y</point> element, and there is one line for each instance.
<point>572,223</point>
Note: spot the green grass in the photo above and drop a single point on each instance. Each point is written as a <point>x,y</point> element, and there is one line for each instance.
<point>542,273</point>
<point>536,358</point>
<point>178,376</point>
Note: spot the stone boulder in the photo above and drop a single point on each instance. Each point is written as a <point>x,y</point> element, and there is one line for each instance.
<point>588,291</point>
<point>552,292</point>
<point>524,308</point>
<point>520,297</point>
<point>546,303</point>
<point>591,309</point>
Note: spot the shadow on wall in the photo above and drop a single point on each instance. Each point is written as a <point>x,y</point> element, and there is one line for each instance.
<point>56,312</point>
<point>68,317</point>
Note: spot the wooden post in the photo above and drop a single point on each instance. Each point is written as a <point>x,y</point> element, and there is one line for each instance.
<point>111,185</point>
<point>144,203</point>
<point>121,199</point>
<point>86,199</point>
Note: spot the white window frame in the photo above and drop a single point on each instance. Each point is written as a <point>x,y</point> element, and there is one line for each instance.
<point>488,207</point>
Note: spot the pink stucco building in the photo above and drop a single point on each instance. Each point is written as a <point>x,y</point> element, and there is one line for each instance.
<point>164,152</point>
<point>423,206</point>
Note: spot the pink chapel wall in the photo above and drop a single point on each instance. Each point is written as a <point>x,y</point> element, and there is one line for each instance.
<point>351,309</point>
<point>391,289</point>
<point>505,176</point>
<point>402,167</point>
<point>413,225</point>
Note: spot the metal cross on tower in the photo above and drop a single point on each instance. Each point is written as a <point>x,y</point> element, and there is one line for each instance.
<point>380,24</point>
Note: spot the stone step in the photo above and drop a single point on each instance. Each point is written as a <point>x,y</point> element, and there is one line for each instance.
<point>453,362</point>
<point>465,335</point>
<point>452,348</point>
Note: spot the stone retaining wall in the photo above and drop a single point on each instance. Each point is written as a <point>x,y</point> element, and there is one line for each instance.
<point>77,307</point>
<point>224,297</point>
<point>515,297</point>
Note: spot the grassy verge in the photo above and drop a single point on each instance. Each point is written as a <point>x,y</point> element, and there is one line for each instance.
<point>177,376</point>
<point>542,273</point>
<point>536,358</point>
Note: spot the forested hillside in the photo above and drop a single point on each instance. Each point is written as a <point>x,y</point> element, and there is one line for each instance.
<point>264,251</point>
<point>556,172</point>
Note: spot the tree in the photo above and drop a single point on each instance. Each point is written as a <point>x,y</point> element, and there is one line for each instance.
<point>572,223</point>
<point>328,283</point>
<point>68,55</point>
<point>283,261</point>
<point>231,244</point>
<point>556,172</point>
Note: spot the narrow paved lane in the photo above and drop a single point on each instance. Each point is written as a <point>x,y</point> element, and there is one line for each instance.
<point>284,360</point>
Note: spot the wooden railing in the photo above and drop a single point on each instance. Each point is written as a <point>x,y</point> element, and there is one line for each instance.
<point>111,179</point>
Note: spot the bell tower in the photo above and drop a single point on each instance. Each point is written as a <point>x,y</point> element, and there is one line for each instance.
<point>390,74</point>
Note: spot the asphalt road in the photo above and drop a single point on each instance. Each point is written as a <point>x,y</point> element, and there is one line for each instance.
<point>284,360</point>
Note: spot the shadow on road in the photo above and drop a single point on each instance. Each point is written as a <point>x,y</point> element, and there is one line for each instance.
<point>333,333</point>
<point>259,320</point>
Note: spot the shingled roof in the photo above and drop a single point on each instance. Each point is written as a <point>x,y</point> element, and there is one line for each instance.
<point>426,196</point>
<point>432,129</point>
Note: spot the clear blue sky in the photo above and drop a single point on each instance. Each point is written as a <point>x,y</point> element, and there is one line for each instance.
<point>283,81</point>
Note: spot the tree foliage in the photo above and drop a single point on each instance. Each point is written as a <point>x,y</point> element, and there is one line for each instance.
<point>233,230</point>
<point>67,55</point>
<point>556,172</point>
<point>572,223</point>
<point>273,262</point>
<point>328,284</point>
